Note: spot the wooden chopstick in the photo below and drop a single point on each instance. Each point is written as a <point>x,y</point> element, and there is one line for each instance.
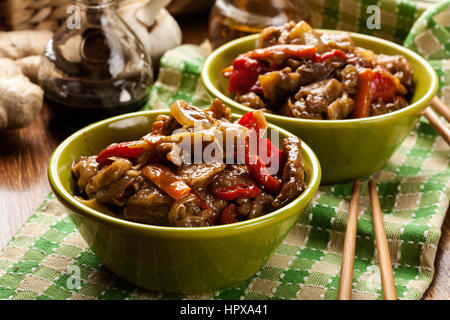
<point>438,124</point>
<point>441,107</point>
<point>384,259</point>
<point>434,119</point>
<point>348,256</point>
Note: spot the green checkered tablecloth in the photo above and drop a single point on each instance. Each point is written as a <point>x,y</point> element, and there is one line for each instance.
<point>396,17</point>
<point>413,188</point>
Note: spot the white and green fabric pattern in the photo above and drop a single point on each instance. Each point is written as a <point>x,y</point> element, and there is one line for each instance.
<point>413,188</point>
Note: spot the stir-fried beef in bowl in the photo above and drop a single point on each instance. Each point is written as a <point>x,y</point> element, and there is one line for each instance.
<point>166,178</point>
<point>300,72</point>
<point>352,97</point>
<point>169,226</point>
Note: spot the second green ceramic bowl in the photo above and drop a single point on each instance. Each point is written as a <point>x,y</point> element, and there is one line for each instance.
<point>169,259</point>
<point>347,149</point>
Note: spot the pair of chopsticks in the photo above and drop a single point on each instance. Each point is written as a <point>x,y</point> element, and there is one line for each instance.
<point>434,119</point>
<point>348,256</point>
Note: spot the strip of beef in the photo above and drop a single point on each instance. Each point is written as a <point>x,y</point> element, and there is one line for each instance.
<point>252,208</point>
<point>361,58</point>
<point>349,78</point>
<point>291,33</point>
<point>311,71</point>
<point>341,107</point>
<point>261,205</point>
<point>115,194</point>
<point>109,185</point>
<point>276,85</point>
<point>148,205</point>
<point>244,206</point>
<point>341,41</point>
<point>110,174</point>
<point>293,173</point>
<point>319,95</point>
<point>233,174</point>
<point>303,33</point>
<point>219,111</point>
<point>380,107</point>
<point>298,109</point>
<point>84,169</point>
<point>165,125</point>
<point>275,35</point>
<point>199,175</point>
<point>158,124</point>
<point>252,100</point>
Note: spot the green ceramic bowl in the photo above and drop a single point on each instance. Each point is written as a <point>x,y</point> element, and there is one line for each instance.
<point>169,259</point>
<point>347,149</point>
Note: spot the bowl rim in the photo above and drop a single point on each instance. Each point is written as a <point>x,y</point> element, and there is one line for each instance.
<point>412,108</point>
<point>68,199</point>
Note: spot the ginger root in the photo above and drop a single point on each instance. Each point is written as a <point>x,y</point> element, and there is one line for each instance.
<point>20,102</point>
<point>20,99</point>
<point>30,67</point>
<point>19,44</point>
<point>8,68</point>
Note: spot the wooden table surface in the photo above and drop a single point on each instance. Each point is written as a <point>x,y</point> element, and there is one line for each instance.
<point>24,155</point>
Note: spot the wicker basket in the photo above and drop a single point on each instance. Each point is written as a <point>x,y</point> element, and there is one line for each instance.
<point>48,14</point>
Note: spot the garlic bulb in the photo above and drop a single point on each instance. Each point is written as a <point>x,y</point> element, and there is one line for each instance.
<point>153,25</point>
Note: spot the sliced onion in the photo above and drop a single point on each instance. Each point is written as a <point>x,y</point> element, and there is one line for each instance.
<point>175,155</point>
<point>188,115</point>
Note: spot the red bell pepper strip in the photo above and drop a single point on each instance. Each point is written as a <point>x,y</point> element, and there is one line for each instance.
<point>166,180</point>
<point>229,215</point>
<point>330,54</point>
<point>272,153</point>
<point>246,68</point>
<point>131,150</point>
<point>363,96</point>
<point>383,85</point>
<point>271,149</point>
<point>240,190</point>
<point>257,121</point>
<point>261,175</point>
<point>294,51</point>
<point>244,74</point>
<point>254,120</point>
<point>256,166</point>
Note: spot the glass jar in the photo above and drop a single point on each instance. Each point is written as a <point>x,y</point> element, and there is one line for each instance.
<point>231,19</point>
<point>94,66</point>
